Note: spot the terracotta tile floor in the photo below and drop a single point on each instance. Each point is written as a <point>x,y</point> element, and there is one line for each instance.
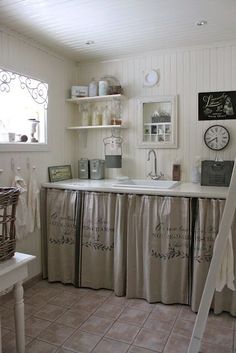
<point>64,319</point>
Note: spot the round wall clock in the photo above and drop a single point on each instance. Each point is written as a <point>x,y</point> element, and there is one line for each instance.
<point>216,137</point>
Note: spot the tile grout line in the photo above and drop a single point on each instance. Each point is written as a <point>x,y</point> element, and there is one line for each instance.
<point>77,328</point>
<point>171,330</point>
<point>104,336</point>
<point>116,320</point>
<point>144,328</point>
<point>92,313</point>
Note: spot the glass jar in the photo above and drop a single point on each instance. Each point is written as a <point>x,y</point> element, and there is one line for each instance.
<point>97,117</point>
<point>116,116</point>
<point>106,116</point>
<point>85,118</point>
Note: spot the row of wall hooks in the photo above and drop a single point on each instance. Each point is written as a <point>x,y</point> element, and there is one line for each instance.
<point>18,168</point>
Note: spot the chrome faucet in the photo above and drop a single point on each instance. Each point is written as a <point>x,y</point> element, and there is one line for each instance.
<point>154,176</point>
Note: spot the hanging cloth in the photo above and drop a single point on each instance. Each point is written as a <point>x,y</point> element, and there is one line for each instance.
<point>22,218</point>
<point>113,151</point>
<point>61,235</point>
<point>158,243</point>
<point>226,272</point>
<point>33,203</point>
<point>98,240</point>
<point>208,216</point>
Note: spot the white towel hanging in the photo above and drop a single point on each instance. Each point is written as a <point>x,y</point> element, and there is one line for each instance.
<point>21,222</point>
<point>33,203</point>
<point>225,276</point>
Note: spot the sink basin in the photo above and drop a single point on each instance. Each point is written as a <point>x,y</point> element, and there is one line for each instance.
<point>145,184</point>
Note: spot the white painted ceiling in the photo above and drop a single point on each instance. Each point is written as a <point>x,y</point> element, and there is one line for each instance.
<point>119,27</point>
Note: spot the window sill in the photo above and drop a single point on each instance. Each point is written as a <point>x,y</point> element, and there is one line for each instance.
<point>24,147</point>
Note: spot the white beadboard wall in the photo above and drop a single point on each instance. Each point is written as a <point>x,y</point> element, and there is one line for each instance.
<point>17,54</point>
<point>183,72</point>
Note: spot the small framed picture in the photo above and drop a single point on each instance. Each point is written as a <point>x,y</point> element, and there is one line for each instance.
<point>59,173</point>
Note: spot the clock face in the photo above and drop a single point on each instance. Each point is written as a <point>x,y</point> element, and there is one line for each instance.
<point>216,137</point>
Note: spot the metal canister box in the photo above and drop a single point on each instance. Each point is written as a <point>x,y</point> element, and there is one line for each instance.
<point>83,168</point>
<point>97,168</point>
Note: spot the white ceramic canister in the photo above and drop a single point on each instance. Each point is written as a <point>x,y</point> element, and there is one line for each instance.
<point>103,87</point>
<point>93,88</point>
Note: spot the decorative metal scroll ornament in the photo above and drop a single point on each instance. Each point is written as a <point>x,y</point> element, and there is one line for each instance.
<point>5,79</point>
<point>38,90</point>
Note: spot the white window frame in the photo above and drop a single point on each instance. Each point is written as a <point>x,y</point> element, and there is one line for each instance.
<point>29,146</point>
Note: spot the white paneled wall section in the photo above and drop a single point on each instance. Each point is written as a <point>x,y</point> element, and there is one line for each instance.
<point>17,54</point>
<point>183,72</point>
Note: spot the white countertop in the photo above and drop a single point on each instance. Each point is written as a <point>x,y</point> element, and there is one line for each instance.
<point>106,185</point>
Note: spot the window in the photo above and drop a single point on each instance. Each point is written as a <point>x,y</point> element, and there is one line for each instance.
<point>23,109</point>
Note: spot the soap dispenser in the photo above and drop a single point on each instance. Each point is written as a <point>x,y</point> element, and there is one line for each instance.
<point>176,172</point>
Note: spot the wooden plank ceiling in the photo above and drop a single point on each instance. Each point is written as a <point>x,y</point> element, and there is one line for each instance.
<point>119,27</point>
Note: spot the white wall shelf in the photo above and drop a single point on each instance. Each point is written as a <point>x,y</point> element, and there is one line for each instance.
<point>92,127</point>
<point>96,98</point>
<point>115,129</point>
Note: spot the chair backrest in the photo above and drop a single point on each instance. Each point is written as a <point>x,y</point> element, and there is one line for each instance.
<point>8,201</point>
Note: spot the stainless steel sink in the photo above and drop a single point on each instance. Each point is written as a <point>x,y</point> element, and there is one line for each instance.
<point>145,184</point>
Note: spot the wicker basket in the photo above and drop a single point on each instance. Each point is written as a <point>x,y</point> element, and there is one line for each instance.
<point>8,202</point>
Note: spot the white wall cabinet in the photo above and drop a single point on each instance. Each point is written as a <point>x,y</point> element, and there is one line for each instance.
<point>158,122</point>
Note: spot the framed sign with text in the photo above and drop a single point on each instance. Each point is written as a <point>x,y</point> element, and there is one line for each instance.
<point>59,173</point>
<point>217,105</point>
